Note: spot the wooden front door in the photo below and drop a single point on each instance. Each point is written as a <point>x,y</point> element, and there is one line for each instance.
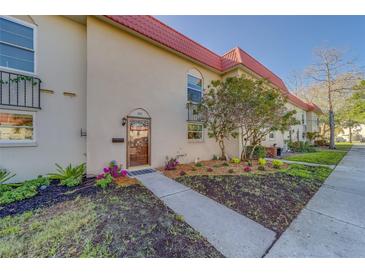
<point>138,151</point>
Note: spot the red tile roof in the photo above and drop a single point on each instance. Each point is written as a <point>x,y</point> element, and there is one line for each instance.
<point>237,56</point>
<point>159,32</point>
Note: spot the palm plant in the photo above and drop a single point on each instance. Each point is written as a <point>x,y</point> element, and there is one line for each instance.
<point>5,175</point>
<point>69,176</point>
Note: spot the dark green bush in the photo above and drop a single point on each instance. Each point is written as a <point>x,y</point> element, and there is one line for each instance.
<point>300,146</point>
<point>21,191</point>
<point>260,152</point>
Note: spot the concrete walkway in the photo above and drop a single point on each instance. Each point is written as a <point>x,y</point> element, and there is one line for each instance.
<point>301,163</point>
<point>333,222</point>
<point>233,234</point>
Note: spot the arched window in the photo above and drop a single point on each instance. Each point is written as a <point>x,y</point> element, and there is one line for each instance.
<point>194,86</point>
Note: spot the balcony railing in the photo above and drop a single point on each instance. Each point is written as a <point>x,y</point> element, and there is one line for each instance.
<point>19,90</point>
<point>195,114</point>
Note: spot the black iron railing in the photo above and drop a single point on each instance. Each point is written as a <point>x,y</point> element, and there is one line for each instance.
<point>19,90</point>
<point>195,114</point>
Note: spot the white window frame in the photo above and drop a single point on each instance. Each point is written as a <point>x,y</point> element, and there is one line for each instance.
<point>29,25</point>
<point>187,87</point>
<point>187,132</point>
<point>7,143</point>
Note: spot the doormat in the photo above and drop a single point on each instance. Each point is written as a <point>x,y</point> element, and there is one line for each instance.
<point>140,172</point>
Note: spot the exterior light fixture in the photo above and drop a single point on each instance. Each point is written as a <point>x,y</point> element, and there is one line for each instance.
<point>124,121</point>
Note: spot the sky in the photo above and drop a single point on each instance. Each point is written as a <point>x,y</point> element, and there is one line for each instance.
<point>282,43</point>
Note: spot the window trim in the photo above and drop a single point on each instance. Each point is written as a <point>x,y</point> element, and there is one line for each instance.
<point>29,25</point>
<point>202,132</point>
<point>187,87</point>
<point>33,142</point>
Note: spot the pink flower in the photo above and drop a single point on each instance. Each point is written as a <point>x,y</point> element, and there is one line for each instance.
<point>123,172</point>
<point>100,176</point>
<point>106,169</point>
<point>247,169</point>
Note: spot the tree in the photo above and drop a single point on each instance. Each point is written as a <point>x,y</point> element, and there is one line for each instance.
<point>259,109</point>
<point>335,74</point>
<point>352,114</point>
<point>218,104</point>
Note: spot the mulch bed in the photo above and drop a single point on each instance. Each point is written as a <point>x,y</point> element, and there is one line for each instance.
<point>217,167</point>
<point>119,221</point>
<point>52,194</point>
<point>272,200</point>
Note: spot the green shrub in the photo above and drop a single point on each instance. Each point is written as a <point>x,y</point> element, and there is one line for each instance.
<point>277,164</point>
<point>69,176</point>
<point>104,182</point>
<point>179,218</point>
<point>21,191</point>
<point>5,175</point>
<point>260,152</point>
<point>199,164</point>
<point>215,157</point>
<point>235,160</point>
<point>300,146</point>
<point>262,163</point>
<point>225,164</point>
<point>193,169</point>
<point>249,163</point>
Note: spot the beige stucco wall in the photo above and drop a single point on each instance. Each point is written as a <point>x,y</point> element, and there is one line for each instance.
<point>126,72</point>
<point>312,121</point>
<point>61,65</point>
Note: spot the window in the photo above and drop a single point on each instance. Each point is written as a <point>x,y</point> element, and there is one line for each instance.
<point>16,127</point>
<point>302,118</point>
<point>195,132</point>
<point>271,135</point>
<point>195,89</point>
<point>16,45</point>
<point>303,135</point>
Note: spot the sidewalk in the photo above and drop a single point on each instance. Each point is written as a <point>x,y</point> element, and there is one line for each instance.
<point>333,222</point>
<point>231,233</point>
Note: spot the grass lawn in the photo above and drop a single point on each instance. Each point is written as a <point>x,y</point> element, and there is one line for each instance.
<point>325,157</point>
<point>343,146</point>
<point>272,199</point>
<point>86,221</point>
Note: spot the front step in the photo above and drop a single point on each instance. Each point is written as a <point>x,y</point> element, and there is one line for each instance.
<point>140,172</point>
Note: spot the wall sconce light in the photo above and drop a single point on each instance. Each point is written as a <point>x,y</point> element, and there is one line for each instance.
<point>83,133</point>
<point>124,121</point>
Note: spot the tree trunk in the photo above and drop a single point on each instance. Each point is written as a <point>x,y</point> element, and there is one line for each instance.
<point>222,147</point>
<point>244,151</point>
<point>332,130</point>
<point>350,134</point>
<point>253,151</point>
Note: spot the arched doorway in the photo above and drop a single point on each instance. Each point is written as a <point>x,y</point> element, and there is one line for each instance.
<point>138,138</point>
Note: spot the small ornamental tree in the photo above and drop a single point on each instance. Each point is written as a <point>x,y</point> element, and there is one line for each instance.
<point>238,106</point>
<point>260,109</point>
<point>218,104</point>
